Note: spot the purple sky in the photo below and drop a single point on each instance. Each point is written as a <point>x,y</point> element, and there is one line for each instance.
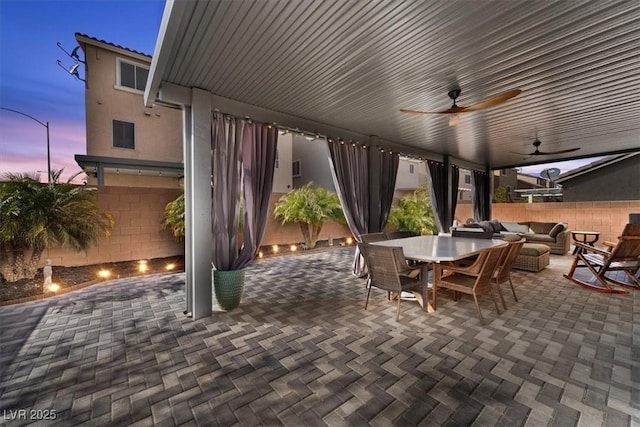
<point>32,82</point>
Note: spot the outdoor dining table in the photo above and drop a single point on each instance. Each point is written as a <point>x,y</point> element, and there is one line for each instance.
<point>432,250</point>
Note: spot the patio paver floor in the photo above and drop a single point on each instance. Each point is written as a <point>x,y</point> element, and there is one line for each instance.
<point>301,350</point>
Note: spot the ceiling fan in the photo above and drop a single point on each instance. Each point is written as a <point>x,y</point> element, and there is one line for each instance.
<point>537,151</point>
<point>454,110</point>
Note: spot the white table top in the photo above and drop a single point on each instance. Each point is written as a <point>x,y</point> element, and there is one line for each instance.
<point>440,248</point>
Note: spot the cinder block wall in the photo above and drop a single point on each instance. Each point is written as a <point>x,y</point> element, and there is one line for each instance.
<point>608,218</point>
<point>276,233</point>
<point>138,213</point>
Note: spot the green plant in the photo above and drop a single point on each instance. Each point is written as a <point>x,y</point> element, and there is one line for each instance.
<point>174,217</point>
<point>501,195</point>
<point>35,216</point>
<point>309,206</point>
<point>413,213</point>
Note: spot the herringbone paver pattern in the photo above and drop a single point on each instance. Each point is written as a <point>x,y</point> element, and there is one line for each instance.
<point>301,350</point>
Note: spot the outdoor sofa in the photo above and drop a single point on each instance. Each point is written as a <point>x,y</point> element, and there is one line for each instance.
<point>555,235</point>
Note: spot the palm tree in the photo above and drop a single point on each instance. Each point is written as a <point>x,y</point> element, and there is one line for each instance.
<point>414,213</point>
<point>309,206</point>
<point>174,215</point>
<point>35,216</point>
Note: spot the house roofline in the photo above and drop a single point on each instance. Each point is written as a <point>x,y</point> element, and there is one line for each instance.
<point>594,166</point>
<point>84,39</point>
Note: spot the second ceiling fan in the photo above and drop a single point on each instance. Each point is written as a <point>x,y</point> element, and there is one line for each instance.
<point>454,110</point>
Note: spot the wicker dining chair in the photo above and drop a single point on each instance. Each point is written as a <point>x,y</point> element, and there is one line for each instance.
<point>473,280</point>
<point>372,237</point>
<point>387,271</point>
<point>505,264</point>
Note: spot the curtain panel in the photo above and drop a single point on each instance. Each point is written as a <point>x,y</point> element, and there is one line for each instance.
<point>437,176</point>
<point>242,161</point>
<point>455,182</point>
<point>388,174</point>
<point>350,171</point>
<point>481,196</point>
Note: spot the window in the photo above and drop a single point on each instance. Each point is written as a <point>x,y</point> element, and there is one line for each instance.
<point>132,75</point>
<point>123,134</point>
<point>467,179</point>
<point>295,169</point>
<point>411,167</point>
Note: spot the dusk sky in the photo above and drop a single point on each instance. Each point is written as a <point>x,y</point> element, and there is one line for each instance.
<point>33,83</point>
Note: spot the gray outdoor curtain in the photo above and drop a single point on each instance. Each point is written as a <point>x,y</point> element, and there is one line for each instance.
<point>437,173</point>
<point>455,182</point>
<point>481,196</point>
<point>350,171</point>
<point>238,146</point>
<point>437,177</point>
<point>388,173</point>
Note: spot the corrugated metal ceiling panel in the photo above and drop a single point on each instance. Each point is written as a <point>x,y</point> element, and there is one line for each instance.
<point>354,64</point>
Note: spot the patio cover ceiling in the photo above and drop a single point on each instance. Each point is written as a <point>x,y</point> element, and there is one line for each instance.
<point>349,67</point>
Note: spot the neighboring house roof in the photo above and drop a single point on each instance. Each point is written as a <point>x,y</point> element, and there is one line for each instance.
<point>83,38</point>
<point>607,161</point>
<point>114,165</point>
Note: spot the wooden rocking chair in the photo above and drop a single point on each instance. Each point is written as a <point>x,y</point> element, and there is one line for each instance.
<point>622,256</point>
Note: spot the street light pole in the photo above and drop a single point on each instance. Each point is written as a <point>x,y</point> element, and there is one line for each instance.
<point>46,125</point>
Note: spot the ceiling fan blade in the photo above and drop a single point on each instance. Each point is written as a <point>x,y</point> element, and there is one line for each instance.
<point>570,150</point>
<point>498,99</point>
<point>403,110</point>
<point>452,110</point>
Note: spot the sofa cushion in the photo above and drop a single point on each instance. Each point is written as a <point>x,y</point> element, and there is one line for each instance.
<point>541,227</point>
<point>539,238</point>
<point>514,227</point>
<point>557,229</point>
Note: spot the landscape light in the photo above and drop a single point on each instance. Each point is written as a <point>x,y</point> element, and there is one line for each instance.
<point>293,248</point>
<point>349,241</point>
<point>170,266</point>
<point>142,266</point>
<point>260,254</point>
<point>104,274</point>
<point>54,287</point>
<point>275,249</point>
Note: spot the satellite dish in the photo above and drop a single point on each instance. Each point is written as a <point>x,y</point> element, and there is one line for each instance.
<point>550,173</point>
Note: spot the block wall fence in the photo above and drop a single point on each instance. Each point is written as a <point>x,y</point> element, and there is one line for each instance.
<point>608,218</point>
<point>138,213</point>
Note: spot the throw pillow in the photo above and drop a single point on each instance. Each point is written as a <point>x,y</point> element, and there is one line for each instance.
<point>497,227</point>
<point>515,227</point>
<point>557,229</point>
<point>486,226</point>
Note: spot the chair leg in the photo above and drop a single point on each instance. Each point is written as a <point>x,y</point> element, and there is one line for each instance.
<point>504,304</point>
<point>475,298</point>
<point>366,302</point>
<point>434,291</point>
<point>398,312</point>
<point>494,299</point>
<point>513,290</point>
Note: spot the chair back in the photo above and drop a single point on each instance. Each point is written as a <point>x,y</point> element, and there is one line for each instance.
<point>628,246</point>
<point>483,280</point>
<point>507,258</point>
<point>398,234</point>
<point>372,237</point>
<point>382,264</point>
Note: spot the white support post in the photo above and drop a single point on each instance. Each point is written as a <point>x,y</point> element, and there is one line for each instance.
<point>197,162</point>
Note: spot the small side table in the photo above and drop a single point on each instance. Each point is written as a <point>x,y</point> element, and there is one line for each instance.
<point>588,237</point>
